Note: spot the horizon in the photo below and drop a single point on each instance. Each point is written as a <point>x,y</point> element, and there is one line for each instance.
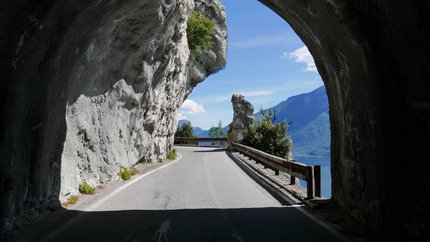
<point>266,62</point>
<point>255,111</point>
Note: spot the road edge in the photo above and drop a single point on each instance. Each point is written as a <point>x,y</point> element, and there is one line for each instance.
<point>76,218</point>
<point>288,199</point>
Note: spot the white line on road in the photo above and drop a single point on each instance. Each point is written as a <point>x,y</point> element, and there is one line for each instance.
<point>79,216</point>
<point>95,205</point>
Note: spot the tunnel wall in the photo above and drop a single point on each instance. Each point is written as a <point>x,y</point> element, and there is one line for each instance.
<point>90,86</point>
<point>373,57</point>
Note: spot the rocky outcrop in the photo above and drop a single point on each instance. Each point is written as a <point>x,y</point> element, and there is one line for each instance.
<point>243,116</point>
<point>88,87</point>
<point>374,58</point>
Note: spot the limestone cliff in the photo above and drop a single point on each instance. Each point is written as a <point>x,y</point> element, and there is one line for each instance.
<point>99,84</point>
<point>243,117</point>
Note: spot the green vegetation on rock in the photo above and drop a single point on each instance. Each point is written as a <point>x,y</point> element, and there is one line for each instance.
<point>199,32</point>
<point>84,188</point>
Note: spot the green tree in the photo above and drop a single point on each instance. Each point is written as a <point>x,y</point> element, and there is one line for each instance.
<point>268,114</point>
<point>217,132</point>
<point>267,137</point>
<point>199,32</point>
<point>186,130</point>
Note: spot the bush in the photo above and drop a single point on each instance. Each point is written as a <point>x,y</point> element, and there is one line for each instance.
<point>171,155</point>
<point>269,138</point>
<point>72,199</point>
<point>84,188</point>
<point>161,160</point>
<point>199,32</point>
<point>124,173</point>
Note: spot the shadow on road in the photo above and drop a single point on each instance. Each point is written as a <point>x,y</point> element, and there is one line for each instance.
<point>247,224</point>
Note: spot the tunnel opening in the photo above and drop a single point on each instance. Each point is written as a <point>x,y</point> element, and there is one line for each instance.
<point>269,64</point>
<point>372,56</point>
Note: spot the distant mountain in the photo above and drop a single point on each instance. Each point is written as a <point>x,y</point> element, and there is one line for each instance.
<point>308,119</point>
<point>199,132</point>
<point>205,133</point>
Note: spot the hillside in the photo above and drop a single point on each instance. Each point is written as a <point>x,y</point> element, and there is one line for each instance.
<point>199,132</point>
<point>308,119</point>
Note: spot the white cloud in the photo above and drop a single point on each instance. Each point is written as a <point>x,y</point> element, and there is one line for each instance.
<point>181,116</point>
<point>190,107</point>
<point>259,41</point>
<point>302,55</point>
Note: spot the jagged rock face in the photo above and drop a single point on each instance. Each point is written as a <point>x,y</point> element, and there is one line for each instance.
<point>374,58</point>
<point>88,87</point>
<point>243,116</point>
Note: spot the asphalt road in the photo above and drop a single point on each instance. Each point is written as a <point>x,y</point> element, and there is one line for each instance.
<point>204,196</point>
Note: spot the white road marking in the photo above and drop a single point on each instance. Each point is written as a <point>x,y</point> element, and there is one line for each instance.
<point>100,202</point>
<point>79,216</point>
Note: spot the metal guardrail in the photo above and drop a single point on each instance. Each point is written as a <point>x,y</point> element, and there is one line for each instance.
<point>311,174</point>
<point>196,140</point>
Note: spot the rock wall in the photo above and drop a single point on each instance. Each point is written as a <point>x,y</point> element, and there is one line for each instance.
<point>374,58</point>
<point>89,86</point>
<point>243,116</point>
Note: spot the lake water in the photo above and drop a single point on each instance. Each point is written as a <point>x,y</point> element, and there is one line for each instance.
<point>324,162</point>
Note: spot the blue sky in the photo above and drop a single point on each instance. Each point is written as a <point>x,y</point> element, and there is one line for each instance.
<point>266,62</point>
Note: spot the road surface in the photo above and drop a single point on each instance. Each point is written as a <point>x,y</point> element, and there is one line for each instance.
<point>204,196</point>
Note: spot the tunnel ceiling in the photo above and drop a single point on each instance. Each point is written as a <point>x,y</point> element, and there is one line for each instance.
<point>65,64</point>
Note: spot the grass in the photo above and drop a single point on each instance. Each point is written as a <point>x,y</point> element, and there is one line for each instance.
<point>124,173</point>
<point>171,155</point>
<point>161,160</point>
<point>84,188</point>
<point>71,200</point>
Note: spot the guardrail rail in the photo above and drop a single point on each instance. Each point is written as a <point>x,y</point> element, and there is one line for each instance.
<point>311,174</point>
<point>196,140</point>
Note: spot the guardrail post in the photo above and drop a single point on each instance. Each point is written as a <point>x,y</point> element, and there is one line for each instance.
<point>317,178</point>
<point>310,182</point>
<point>292,180</point>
